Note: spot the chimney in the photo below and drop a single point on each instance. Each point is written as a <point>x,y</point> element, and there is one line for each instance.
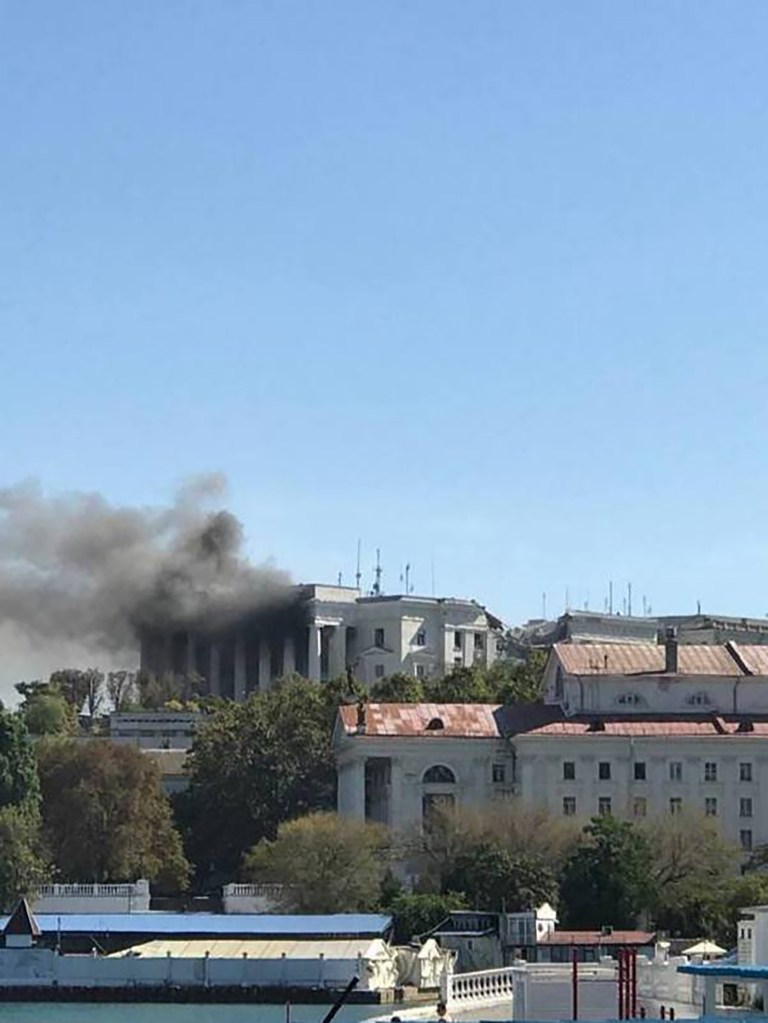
<point>361,717</point>
<point>670,648</point>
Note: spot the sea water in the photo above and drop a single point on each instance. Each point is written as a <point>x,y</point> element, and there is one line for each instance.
<point>76,1012</point>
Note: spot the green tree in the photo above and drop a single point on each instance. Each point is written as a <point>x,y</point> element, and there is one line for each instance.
<point>22,866</point>
<point>254,765</point>
<point>419,912</point>
<point>48,714</point>
<point>105,817</point>
<point>462,685</point>
<point>19,784</point>
<point>498,880</point>
<point>692,867</point>
<point>398,688</point>
<point>607,878</point>
<point>518,681</point>
<point>326,864</point>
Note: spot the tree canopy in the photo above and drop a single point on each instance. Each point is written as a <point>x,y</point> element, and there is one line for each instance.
<point>104,815</point>
<point>19,784</point>
<point>606,880</point>
<point>326,864</point>
<point>254,765</point>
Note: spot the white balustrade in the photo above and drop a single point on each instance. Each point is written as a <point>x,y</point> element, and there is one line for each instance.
<point>480,987</point>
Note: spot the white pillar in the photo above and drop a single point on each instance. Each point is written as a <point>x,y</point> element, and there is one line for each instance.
<point>240,677</point>
<point>214,675</point>
<point>313,661</point>
<point>265,665</point>
<point>289,656</point>
<point>351,789</point>
<point>337,662</point>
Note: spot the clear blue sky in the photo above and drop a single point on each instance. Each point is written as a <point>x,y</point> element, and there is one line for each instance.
<point>482,283</point>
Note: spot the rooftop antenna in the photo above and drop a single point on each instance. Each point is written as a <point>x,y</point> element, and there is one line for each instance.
<point>377,574</point>
<point>339,578</point>
<point>645,606</point>
<point>408,587</point>
<point>358,574</point>
<point>698,607</point>
<point>567,600</point>
<point>544,606</point>
<point>629,599</point>
<point>610,596</point>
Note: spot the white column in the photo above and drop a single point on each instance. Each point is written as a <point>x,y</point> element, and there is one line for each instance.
<point>240,677</point>
<point>265,665</point>
<point>214,676</point>
<point>289,656</point>
<point>313,661</point>
<point>351,789</point>
<point>337,661</point>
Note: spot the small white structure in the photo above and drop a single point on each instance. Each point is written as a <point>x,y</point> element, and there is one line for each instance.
<point>251,898</point>
<point>92,898</point>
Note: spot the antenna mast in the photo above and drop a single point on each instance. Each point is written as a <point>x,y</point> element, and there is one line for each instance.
<point>358,574</point>
<point>377,574</point>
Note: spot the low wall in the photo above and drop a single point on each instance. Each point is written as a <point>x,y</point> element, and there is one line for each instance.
<point>92,898</point>
<point>251,898</point>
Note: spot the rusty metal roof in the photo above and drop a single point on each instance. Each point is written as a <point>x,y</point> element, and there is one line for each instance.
<point>753,657</point>
<point>428,720</point>
<point>597,938</point>
<point>648,659</point>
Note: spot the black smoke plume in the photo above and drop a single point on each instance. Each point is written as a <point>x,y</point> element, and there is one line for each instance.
<point>77,568</point>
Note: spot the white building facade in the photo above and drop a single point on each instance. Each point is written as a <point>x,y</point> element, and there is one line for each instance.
<point>636,731</point>
<point>332,630</point>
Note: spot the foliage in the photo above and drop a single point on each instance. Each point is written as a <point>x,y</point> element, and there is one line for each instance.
<point>498,880</point>
<point>104,815</point>
<point>397,688</point>
<point>418,913</point>
<point>121,689</point>
<point>254,765</point>
<point>326,864</point>
<point>19,785</point>
<point>22,866</point>
<point>48,714</point>
<point>607,878</point>
<point>691,873</point>
<point>83,689</point>
<point>154,692</point>
<point>506,681</point>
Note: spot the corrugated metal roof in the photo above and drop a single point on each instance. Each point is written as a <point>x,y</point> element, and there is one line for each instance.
<point>272,924</point>
<point>236,949</point>
<point>753,657</point>
<point>458,720</point>
<point>638,726</point>
<point>645,658</point>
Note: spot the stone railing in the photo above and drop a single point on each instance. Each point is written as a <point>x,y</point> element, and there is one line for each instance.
<point>251,898</point>
<point>480,987</point>
<point>92,898</point>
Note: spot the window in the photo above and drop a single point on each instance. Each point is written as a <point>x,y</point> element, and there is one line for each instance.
<point>421,671</point>
<point>457,641</point>
<point>479,642</point>
<point>710,806</point>
<point>675,770</point>
<point>569,770</point>
<point>745,840</point>
<point>675,805</point>
<point>569,806</point>
<point>378,637</point>
<point>604,770</point>
<point>629,700</point>
<point>745,807</point>
<point>458,663</point>
<point>745,772</point>
<point>604,806</point>
<point>640,770</point>
<point>499,773</point>
<point>378,671</point>
<point>439,775</point>
<point>639,806</point>
<point>698,700</point>
<point>421,638</point>
<point>710,771</point>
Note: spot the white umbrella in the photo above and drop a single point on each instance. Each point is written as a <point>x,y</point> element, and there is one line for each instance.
<point>704,948</point>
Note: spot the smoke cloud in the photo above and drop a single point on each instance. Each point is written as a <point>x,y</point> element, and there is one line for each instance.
<point>77,570</point>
